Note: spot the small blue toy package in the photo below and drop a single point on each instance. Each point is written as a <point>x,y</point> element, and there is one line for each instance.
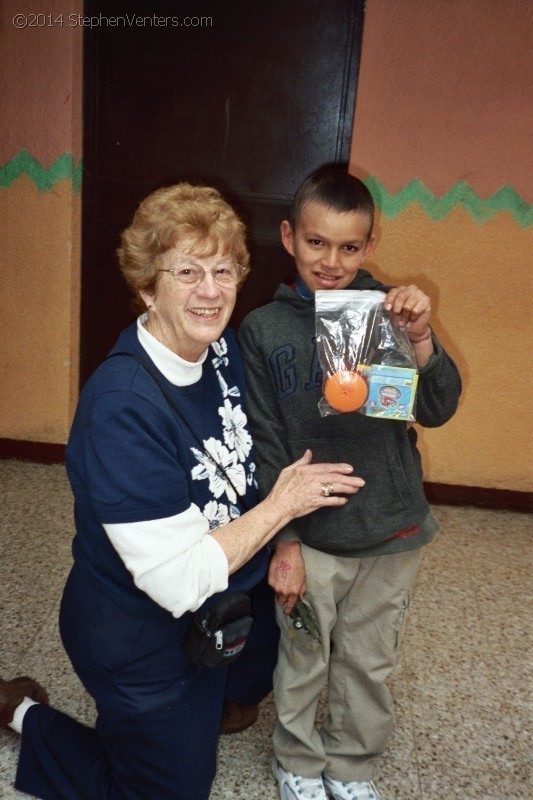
<point>367,360</point>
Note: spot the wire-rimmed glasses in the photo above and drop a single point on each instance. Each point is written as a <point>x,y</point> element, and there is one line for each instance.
<point>190,274</point>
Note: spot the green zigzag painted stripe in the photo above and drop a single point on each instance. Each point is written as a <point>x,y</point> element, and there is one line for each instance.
<point>506,199</point>
<point>45,179</point>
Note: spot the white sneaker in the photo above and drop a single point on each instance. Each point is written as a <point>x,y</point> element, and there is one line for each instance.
<point>294,787</point>
<point>351,790</point>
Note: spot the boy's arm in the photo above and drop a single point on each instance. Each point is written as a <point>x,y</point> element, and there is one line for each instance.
<point>287,570</point>
<point>439,382</point>
<point>439,388</point>
<point>268,431</point>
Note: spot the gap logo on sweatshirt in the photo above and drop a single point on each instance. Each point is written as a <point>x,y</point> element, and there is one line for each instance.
<point>284,363</point>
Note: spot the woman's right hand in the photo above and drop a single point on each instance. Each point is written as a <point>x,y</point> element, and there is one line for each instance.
<point>299,489</point>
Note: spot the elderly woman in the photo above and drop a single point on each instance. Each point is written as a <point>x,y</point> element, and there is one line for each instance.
<point>167,522</point>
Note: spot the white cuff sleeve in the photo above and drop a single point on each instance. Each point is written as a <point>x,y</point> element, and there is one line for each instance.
<point>18,716</point>
<point>174,560</point>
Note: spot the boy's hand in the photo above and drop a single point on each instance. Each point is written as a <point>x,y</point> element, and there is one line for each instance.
<point>411,309</point>
<point>286,574</point>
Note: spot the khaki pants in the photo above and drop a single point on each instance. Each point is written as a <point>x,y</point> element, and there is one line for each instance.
<point>361,605</point>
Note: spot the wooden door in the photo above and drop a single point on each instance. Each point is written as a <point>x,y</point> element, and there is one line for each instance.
<point>246,96</point>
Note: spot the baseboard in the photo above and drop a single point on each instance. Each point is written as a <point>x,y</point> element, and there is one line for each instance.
<point>40,452</point>
<point>454,495</point>
<point>437,493</point>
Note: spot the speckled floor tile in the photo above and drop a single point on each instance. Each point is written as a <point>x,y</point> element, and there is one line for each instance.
<point>461,690</point>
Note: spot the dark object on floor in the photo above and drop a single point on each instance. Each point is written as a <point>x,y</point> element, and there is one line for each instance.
<point>236,717</point>
<point>13,692</point>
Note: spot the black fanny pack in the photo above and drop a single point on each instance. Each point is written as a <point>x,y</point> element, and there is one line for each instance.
<point>218,636</point>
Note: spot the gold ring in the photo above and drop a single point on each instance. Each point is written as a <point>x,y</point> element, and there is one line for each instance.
<point>326,489</point>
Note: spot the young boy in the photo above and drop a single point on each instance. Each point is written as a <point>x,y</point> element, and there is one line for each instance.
<point>356,565</point>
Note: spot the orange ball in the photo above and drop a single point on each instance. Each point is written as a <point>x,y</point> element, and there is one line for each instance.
<point>346,390</point>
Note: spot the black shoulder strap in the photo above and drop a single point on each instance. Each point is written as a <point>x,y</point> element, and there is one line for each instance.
<point>178,413</point>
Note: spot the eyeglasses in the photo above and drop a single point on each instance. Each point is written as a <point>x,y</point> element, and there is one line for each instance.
<point>194,274</point>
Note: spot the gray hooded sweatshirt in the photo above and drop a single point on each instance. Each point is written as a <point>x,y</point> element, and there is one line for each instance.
<point>284,385</point>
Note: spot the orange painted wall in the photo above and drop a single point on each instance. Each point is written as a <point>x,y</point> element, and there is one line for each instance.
<point>40,71</point>
<point>445,94</point>
<point>445,97</point>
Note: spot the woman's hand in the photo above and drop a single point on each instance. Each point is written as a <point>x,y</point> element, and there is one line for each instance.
<point>300,488</point>
<point>303,487</point>
<point>286,574</point>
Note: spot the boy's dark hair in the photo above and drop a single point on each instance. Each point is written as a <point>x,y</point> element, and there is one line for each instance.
<point>333,186</point>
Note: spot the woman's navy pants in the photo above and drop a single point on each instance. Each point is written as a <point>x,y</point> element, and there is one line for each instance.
<point>158,714</point>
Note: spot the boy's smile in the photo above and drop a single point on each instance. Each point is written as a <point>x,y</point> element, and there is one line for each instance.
<point>328,246</point>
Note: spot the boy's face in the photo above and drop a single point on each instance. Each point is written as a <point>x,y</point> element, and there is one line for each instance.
<point>328,246</point>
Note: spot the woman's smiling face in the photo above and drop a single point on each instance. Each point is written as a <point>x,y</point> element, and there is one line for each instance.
<point>188,318</point>
<point>328,246</point>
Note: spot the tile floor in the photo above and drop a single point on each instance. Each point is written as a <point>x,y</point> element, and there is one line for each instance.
<point>462,687</point>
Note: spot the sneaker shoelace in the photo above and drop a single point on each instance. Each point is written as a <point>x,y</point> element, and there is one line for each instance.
<point>309,787</point>
<point>364,790</point>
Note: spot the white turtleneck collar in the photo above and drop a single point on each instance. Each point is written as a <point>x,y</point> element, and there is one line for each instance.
<point>173,367</point>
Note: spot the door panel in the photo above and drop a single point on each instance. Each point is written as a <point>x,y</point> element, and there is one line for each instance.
<point>250,102</point>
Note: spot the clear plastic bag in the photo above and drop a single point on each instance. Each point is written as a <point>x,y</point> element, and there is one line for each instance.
<point>367,360</point>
